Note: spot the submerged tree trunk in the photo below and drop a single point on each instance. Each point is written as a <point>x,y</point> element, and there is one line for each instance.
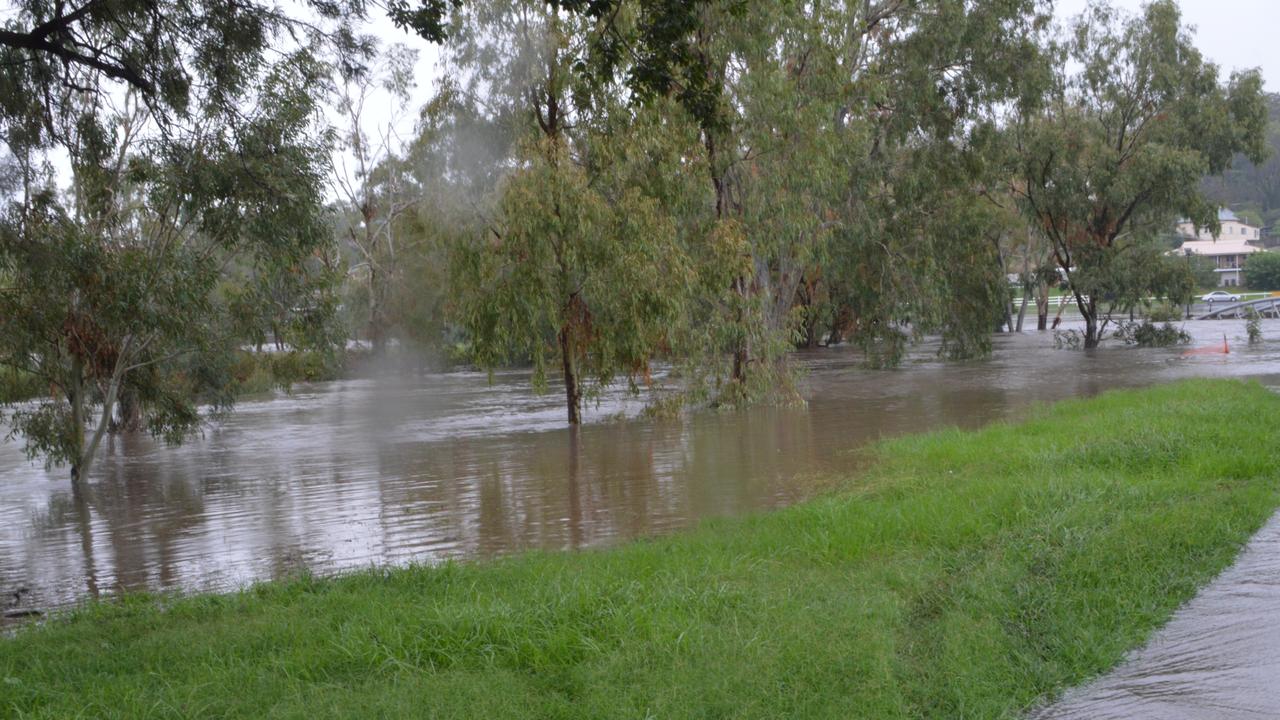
<point>572,393</point>
<point>1090,312</point>
<point>1026,291</point>
<point>809,335</point>
<point>129,417</point>
<point>742,347</point>
<point>84,446</point>
<point>377,336</point>
<point>1004,274</point>
<point>75,396</point>
<point>1042,306</point>
<point>1022,309</point>
<point>841,321</point>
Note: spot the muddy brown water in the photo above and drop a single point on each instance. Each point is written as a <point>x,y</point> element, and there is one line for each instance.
<point>344,475</point>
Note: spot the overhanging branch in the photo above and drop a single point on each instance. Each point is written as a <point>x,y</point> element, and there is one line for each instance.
<point>40,40</point>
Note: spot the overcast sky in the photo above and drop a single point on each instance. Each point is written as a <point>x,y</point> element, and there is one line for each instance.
<point>1235,34</point>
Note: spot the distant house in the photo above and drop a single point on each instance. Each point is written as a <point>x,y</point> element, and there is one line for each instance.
<point>1228,249</point>
<point>1232,228</point>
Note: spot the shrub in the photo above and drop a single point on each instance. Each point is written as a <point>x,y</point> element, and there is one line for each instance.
<point>1253,326</point>
<point>1262,271</point>
<point>1148,334</point>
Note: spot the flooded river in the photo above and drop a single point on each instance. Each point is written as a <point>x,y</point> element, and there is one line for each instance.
<point>350,474</point>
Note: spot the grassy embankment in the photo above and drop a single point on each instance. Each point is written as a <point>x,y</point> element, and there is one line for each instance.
<point>967,575</point>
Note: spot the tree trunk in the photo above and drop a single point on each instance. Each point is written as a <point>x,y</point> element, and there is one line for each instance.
<point>719,183</point>
<point>377,336</point>
<point>572,394</point>
<point>841,321</point>
<point>1042,306</point>
<point>1004,284</point>
<point>82,452</point>
<point>129,417</point>
<point>1090,312</point>
<point>80,469</point>
<point>742,348</point>
<point>75,396</point>
<point>1022,309</point>
<point>739,363</point>
<point>811,338</point>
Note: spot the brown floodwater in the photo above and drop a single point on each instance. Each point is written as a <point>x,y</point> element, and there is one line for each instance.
<point>351,474</point>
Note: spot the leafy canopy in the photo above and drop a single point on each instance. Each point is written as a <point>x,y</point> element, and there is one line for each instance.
<point>1134,118</point>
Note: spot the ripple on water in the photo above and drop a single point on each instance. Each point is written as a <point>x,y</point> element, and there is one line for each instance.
<point>349,474</point>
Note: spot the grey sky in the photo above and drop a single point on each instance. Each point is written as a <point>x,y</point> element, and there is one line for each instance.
<point>1235,34</point>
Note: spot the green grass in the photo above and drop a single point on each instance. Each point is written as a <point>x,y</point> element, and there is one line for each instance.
<point>968,575</point>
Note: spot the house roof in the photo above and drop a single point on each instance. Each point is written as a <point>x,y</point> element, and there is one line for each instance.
<point>1224,215</point>
<point>1224,246</point>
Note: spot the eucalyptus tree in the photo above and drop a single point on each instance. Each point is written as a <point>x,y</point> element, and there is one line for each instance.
<point>116,285</point>
<point>871,118</point>
<point>576,261</point>
<point>585,272</point>
<point>818,124</point>
<point>1262,271</point>
<point>798,106</point>
<point>1135,117</point>
<point>182,59</point>
<point>1255,185</point>
<point>814,126</point>
<point>374,194</point>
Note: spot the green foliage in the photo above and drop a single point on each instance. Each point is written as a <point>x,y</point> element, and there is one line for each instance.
<point>803,207</point>
<point>1253,326</point>
<point>1117,150</point>
<point>126,292</point>
<point>1203,272</point>
<point>1147,334</point>
<point>965,575</point>
<point>588,280</point>
<point>1262,271</point>
<point>1248,185</point>
<point>255,373</point>
<point>1164,312</point>
<point>20,385</point>
<point>186,59</point>
<point>1121,277</point>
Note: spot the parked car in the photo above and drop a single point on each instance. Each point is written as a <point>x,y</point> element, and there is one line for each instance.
<point>1220,296</point>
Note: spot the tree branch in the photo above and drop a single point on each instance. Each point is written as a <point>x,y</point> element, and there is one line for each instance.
<point>41,44</point>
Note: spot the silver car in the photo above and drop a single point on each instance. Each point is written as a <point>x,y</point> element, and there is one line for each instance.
<point>1220,296</point>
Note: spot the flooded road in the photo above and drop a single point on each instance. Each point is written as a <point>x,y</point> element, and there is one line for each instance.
<point>1218,658</point>
<point>350,474</point>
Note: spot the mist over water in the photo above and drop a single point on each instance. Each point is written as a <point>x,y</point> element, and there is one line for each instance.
<point>351,474</point>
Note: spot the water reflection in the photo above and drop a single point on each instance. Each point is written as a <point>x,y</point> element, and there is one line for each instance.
<point>350,474</point>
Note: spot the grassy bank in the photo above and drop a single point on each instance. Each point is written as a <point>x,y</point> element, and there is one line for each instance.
<point>968,575</point>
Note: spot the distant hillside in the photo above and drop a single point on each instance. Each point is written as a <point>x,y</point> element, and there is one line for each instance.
<point>1253,191</point>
